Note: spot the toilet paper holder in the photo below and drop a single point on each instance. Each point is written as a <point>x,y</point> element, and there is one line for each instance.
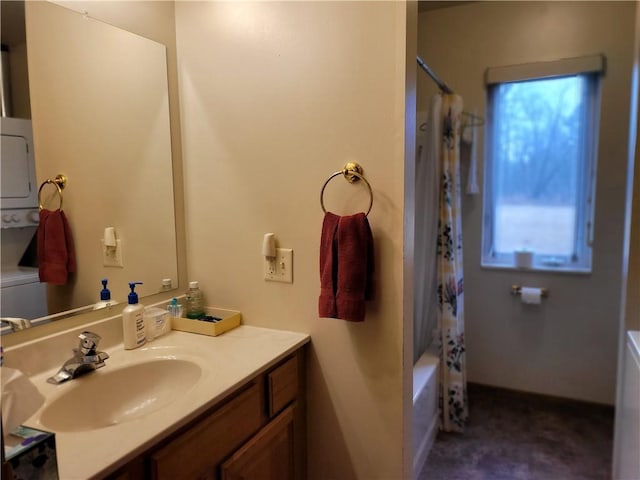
<point>517,290</point>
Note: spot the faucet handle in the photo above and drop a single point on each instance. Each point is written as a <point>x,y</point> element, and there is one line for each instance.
<point>88,342</point>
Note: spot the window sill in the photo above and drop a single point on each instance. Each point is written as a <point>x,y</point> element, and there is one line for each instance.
<point>562,269</point>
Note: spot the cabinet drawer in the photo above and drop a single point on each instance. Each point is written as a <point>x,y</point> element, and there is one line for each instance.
<point>268,455</point>
<point>199,450</point>
<point>282,385</point>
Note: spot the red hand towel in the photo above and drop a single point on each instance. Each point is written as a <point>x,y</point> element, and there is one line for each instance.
<point>56,256</point>
<point>328,266</point>
<point>355,267</point>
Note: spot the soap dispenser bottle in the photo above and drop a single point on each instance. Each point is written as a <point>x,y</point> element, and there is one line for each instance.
<point>105,297</point>
<point>133,328</point>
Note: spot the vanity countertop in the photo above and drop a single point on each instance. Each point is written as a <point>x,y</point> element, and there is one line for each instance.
<point>227,362</point>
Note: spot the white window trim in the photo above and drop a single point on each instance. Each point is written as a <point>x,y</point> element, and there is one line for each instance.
<point>540,70</point>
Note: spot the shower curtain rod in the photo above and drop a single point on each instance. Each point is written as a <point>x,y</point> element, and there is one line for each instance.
<point>443,86</point>
<point>475,120</point>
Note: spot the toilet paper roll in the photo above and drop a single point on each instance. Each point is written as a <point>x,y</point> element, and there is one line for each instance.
<point>531,296</point>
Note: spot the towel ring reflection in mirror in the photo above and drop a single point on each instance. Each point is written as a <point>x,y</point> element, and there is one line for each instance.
<point>352,172</point>
<point>59,182</point>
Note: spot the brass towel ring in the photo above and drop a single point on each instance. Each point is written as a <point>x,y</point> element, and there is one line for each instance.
<point>59,182</point>
<point>352,172</point>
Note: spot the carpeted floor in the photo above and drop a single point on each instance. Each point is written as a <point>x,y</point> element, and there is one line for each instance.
<point>520,436</point>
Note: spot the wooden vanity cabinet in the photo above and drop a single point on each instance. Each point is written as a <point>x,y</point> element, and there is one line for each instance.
<point>257,432</point>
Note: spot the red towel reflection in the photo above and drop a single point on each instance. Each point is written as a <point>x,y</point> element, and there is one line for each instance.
<point>56,257</point>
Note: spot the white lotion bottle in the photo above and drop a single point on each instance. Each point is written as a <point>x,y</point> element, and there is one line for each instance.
<point>133,328</point>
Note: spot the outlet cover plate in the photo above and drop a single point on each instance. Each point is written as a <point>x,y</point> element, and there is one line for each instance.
<point>280,270</point>
<point>112,257</point>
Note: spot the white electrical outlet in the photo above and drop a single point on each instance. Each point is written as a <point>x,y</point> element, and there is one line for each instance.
<point>112,256</point>
<point>279,269</point>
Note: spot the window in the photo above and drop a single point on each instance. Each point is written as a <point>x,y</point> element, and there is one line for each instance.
<point>540,169</point>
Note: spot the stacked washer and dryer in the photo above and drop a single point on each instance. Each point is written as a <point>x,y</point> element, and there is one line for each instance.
<point>21,294</point>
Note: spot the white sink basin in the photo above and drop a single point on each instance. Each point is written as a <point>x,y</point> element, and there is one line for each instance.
<point>110,396</point>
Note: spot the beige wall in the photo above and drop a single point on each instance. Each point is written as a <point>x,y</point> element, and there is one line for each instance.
<point>275,97</point>
<point>568,346</point>
<point>19,81</point>
<point>409,230</point>
<point>632,311</point>
<point>633,280</point>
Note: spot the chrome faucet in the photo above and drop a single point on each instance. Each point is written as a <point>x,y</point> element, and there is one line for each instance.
<point>85,359</point>
<point>16,323</point>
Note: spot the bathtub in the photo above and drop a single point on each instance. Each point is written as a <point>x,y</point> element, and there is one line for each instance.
<point>425,407</point>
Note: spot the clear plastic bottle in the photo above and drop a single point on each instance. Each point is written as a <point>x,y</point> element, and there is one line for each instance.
<point>174,308</point>
<point>195,301</point>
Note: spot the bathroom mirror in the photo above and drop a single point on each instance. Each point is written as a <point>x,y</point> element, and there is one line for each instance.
<point>100,116</point>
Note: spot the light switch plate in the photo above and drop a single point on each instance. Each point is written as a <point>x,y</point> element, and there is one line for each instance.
<point>282,269</point>
<point>112,257</point>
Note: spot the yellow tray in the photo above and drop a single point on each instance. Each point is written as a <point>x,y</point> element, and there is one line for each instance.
<point>230,320</point>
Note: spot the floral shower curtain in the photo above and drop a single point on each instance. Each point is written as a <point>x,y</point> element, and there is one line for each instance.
<point>453,383</point>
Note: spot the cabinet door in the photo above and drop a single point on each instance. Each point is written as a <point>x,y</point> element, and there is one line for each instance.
<point>196,453</point>
<point>268,455</point>
<point>134,470</point>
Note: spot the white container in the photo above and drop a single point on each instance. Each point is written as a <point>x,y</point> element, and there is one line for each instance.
<point>133,328</point>
<point>157,322</point>
<point>523,259</point>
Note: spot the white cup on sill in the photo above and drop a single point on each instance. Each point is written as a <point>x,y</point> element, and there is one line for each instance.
<point>523,259</point>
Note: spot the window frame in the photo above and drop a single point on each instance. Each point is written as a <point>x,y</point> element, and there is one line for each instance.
<point>582,258</point>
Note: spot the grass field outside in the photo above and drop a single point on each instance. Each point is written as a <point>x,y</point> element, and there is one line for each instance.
<point>547,229</point>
